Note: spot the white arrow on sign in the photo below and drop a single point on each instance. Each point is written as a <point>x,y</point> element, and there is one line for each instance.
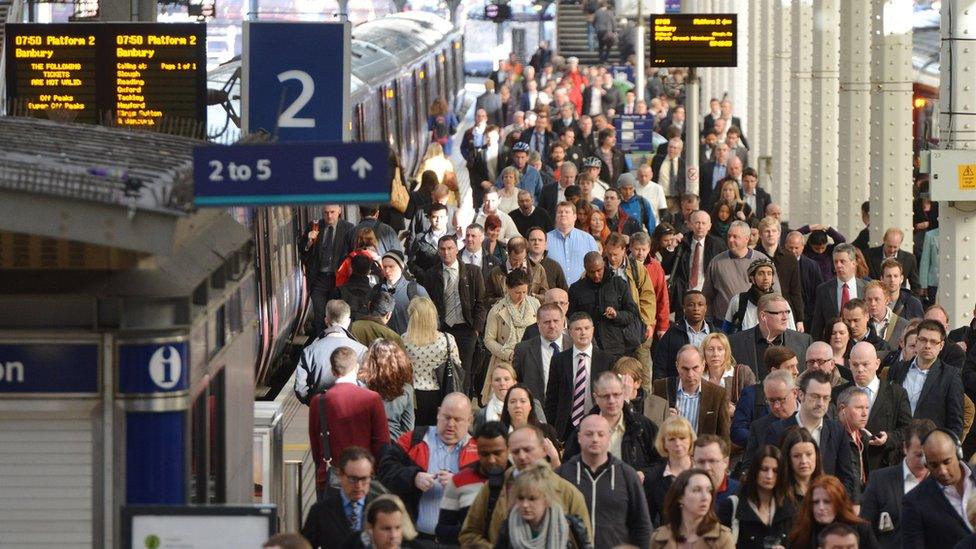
<point>361,166</point>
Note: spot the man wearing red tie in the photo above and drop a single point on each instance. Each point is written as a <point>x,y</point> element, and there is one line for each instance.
<point>831,296</point>
<point>569,396</point>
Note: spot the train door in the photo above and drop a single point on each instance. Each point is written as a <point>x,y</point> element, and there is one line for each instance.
<point>208,477</point>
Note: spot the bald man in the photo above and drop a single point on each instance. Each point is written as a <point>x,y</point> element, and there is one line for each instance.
<point>616,501</point>
<point>934,513</point>
<point>820,356</point>
<point>889,410</point>
<point>423,461</point>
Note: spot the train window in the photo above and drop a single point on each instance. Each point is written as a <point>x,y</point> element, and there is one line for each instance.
<point>405,109</point>
<point>357,124</point>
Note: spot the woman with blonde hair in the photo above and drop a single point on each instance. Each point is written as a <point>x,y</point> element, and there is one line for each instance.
<point>507,321</point>
<point>508,194</point>
<point>675,443</point>
<point>722,370</point>
<point>730,194</point>
<point>427,348</point>
<point>386,370</point>
<point>536,520</point>
<point>435,161</point>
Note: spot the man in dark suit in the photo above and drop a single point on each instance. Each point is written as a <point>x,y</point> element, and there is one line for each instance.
<point>669,171</point>
<point>835,450</point>
<point>753,194</point>
<point>342,511</point>
<point>889,410</point>
<point>540,138</point>
<point>855,316</point>
<point>492,103</point>
<point>532,357</point>
<point>725,110</point>
<point>952,354</point>
<point>458,290</point>
<point>712,172</point>
<point>323,247</point>
<point>474,252</point>
<point>881,502</point>
<point>891,249</point>
<point>787,268</point>
<point>831,295</point>
<point>550,195</point>
<point>607,300</point>
<point>689,271</point>
<point>565,119</point>
<point>779,392</point>
<point>749,346</point>
<point>965,334</point>
<point>694,310</point>
<point>934,513</point>
<point>810,277</point>
<point>569,392</point>
<point>934,390</point>
<point>702,403</point>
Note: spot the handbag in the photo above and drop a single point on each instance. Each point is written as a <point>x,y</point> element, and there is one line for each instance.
<point>399,197</point>
<point>448,374</point>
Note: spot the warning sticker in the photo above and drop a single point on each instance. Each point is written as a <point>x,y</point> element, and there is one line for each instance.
<point>967,177</point>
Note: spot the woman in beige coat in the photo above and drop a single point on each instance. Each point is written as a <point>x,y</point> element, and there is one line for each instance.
<point>689,517</point>
<point>507,321</point>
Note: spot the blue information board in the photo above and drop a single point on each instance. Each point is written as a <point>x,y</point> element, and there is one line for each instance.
<point>296,80</point>
<point>147,368</point>
<point>291,173</point>
<point>49,368</point>
<point>635,132</point>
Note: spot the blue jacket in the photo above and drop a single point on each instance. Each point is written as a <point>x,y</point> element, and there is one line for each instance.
<point>745,414</point>
<point>640,209</point>
<point>531,181</point>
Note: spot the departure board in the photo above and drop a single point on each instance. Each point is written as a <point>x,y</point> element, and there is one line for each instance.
<point>693,40</point>
<point>132,75</point>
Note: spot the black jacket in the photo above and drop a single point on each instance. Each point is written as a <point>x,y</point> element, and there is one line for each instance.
<point>310,252</point>
<point>744,348</point>
<point>637,446</point>
<point>327,522</point>
<point>788,273</point>
<point>825,305</point>
<point>679,186</point>
<point>527,361</point>
<point>559,389</point>
<point>835,450</point>
<point>884,494</point>
<point>752,530</point>
<point>471,290</point>
<point>941,397</point>
<point>681,276</point>
<point>656,486</point>
<point>927,518</point>
<point>665,351</point>
<point>890,412</point>
<point>610,173</point>
<point>810,279</point>
<point>593,299</point>
<point>909,265</point>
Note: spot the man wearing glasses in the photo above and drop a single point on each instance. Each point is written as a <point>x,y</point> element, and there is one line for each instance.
<point>829,434</point>
<point>934,389</point>
<point>749,346</point>
<point>341,511</point>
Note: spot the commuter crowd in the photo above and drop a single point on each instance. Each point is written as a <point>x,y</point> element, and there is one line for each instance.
<point>573,350</point>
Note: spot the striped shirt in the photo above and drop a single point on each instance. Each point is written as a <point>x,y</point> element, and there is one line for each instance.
<point>688,405</point>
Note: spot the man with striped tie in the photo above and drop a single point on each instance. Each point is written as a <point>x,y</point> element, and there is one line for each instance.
<point>569,395</point>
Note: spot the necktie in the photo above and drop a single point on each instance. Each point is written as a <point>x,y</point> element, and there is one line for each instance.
<point>845,296</point>
<point>327,246</point>
<point>579,391</point>
<point>674,170</point>
<point>554,347</point>
<point>695,265</point>
<point>870,394</point>
<point>353,516</point>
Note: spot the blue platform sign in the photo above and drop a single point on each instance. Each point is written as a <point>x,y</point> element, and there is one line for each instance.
<point>296,80</point>
<point>63,368</point>
<point>635,133</point>
<point>291,173</point>
<point>147,368</point>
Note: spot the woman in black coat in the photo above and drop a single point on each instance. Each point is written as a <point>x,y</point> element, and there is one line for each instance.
<point>674,443</point>
<point>760,511</point>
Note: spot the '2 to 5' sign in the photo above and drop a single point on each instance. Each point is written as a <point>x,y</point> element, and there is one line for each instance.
<point>297,81</point>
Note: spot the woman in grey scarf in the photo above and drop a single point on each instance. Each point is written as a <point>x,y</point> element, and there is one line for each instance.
<point>536,520</point>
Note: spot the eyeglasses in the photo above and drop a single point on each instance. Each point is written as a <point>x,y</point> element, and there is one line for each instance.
<point>821,398</point>
<point>357,480</point>
<point>777,401</point>
<point>783,313</point>
<point>926,341</point>
<point>818,361</point>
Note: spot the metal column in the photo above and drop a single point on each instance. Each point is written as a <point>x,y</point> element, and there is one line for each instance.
<point>783,28</point>
<point>706,76</point>
<point>740,76</point>
<point>754,74</point>
<point>801,102</point>
<point>957,120</point>
<point>891,118</point>
<point>854,171</point>
<point>767,94</point>
<point>823,154</point>
<point>693,112</point>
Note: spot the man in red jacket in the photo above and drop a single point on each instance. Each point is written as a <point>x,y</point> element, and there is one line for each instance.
<point>423,461</point>
<point>354,415</point>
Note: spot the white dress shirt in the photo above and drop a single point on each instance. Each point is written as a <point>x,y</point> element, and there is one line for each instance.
<point>547,358</point>
<point>815,432</point>
<point>872,389</point>
<point>908,478</point>
<point>472,258</point>
<point>851,290</point>
<point>957,500</point>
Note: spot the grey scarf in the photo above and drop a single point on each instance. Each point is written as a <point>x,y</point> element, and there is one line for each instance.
<point>553,534</point>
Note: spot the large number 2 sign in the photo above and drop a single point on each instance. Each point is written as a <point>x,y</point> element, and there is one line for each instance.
<point>287,118</point>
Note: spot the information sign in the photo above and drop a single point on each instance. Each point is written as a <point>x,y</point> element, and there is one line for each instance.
<point>130,74</point>
<point>635,132</point>
<point>693,40</point>
<point>291,173</point>
<point>49,367</point>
